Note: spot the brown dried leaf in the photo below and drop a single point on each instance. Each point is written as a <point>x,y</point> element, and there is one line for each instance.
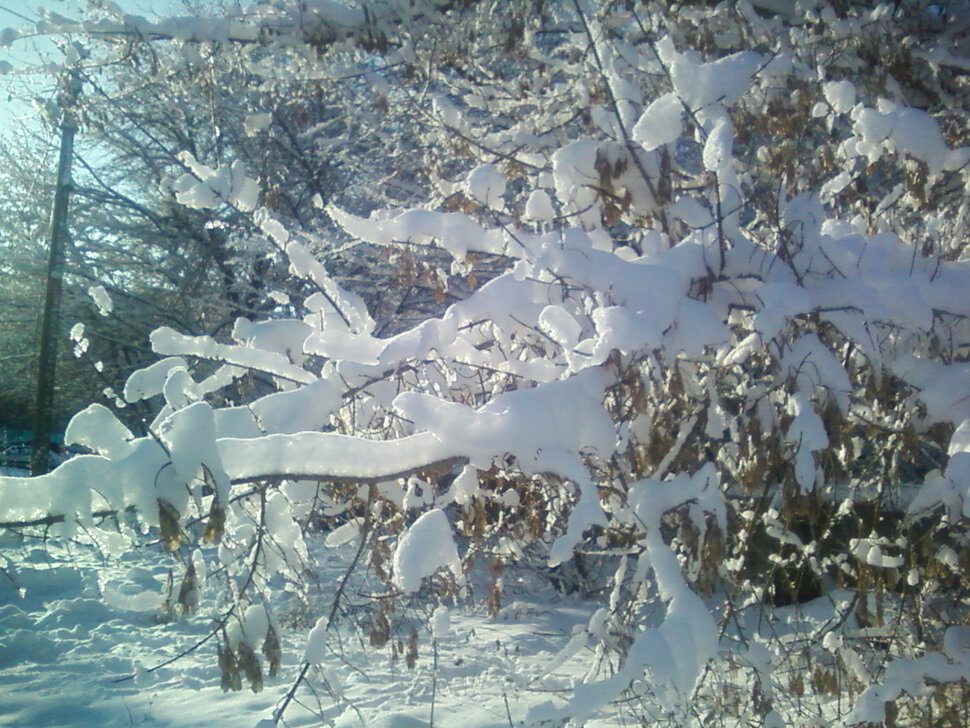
<point>216,525</point>
<point>229,669</point>
<point>493,602</point>
<point>381,555</point>
<point>249,664</point>
<point>380,631</point>
<point>188,598</point>
<point>272,651</point>
<point>411,656</point>
<point>168,521</point>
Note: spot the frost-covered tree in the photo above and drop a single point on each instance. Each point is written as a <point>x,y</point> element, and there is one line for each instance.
<point>24,226</point>
<point>706,356</point>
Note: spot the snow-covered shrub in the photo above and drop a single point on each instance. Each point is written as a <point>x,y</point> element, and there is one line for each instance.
<point>712,335</point>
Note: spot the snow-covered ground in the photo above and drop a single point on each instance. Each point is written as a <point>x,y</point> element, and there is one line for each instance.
<point>75,629</point>
<point>86,640</point>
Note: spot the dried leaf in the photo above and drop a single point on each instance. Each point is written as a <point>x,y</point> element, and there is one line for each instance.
<point>272,651</point>
<point>249,664</point>
<point>231,679</point>
<point>216,525</point>
<point>381,555</point>
<point>168,521</point>
<point>380,631</point>
<point>411,656</point>
<point>188,598</point>
<point>493,601</point>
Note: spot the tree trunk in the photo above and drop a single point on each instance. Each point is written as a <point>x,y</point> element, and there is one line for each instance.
<point>50,323</point>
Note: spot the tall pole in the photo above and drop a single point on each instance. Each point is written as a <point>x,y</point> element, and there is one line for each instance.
<point>50,322</point>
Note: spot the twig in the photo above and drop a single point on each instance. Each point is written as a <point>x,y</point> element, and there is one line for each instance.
<point>437,466</point>
<point>365,532</point>
<point>508,712</point>
<point>628,142</point>
<point>218,628</point>
<point>434,680</point>
<point>51,520</point>
<point>364,536</point>
<point>290,694</point>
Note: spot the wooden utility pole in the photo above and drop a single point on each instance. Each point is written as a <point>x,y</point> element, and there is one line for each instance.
<point>50,323</point>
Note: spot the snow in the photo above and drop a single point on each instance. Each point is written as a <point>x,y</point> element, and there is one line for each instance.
<point>456,232</point>
<point>835,185</point>
<point>910,676</point>
<point>283,337</point>
<point>575,176</point>
<point>148,382</point>
<point>344,534</point>
<point>101,299</point>
<point>446,110</point>
<point>255,625</point>
<point>334,306</point>
<point>206,187</point>
<point>718,152</point>
<point>539,207</point>
<point>189,436</point>
<point>167,341</point>
<point>619,328</point>
<point>840,95</point>
<point>811,365</point>
<point>960,442</point>
<point>536,425</point>
<point>661,122</point>
<point>427,546</point>
<point>943,389</point>
<point>486,185</point>
<point>62,647</point>
<point>678,649</point>
<point>906,130</point>
<point>560,326</point>
<point>306,409</point>
<point>527,375</point>
<point>780,301</point>
<point>316,643</point>
<point>309,454</point>
<point>440,622</point>
<point>97,429</point>
<point>255,123</point>
<point>711,84</point>
<point>807,432</point>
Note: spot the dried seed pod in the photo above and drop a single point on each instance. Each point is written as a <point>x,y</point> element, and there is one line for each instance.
<point>229,668</point>
<point>272,651</point>
<point>380,630</point>
<point>188,598</point>
<point>249,664</point>
<point>216,525</point>
<point>168,521</point>
<point>411,656</point>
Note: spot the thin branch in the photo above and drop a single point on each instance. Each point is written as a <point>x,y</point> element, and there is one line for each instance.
<point>52,519</point>
<point>364,535</point>
<point>443,465</point>
<point>628,142</point>
<point>290,694</point>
